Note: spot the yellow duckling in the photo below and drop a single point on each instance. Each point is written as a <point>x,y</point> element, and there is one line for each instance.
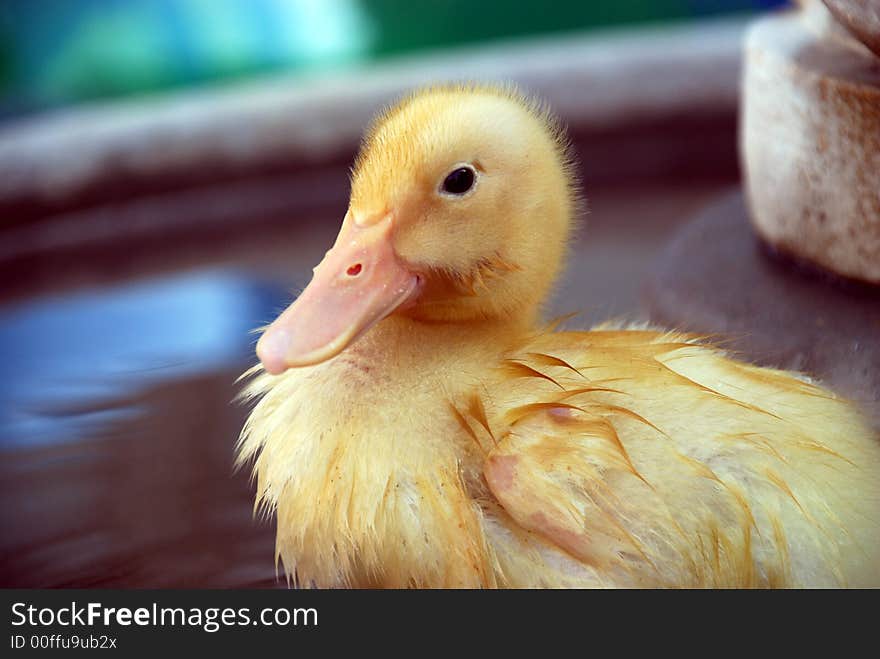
<point>413,426</point>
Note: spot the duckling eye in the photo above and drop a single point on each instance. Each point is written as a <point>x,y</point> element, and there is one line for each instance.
<point>459,181</point>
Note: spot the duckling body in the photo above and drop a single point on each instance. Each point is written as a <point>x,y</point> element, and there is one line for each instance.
<point>435,435</point>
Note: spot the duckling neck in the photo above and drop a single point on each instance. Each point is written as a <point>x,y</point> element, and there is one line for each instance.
<point>448,352</point>
<point>379,461</point>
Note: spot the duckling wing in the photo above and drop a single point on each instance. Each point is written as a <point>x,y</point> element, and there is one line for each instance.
<point>659,461</point>
<point>560,474</point>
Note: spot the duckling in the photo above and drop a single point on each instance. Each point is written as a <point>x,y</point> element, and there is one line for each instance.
<point>414,423</point>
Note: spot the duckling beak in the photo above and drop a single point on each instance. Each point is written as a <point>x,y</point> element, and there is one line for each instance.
<point>360,281</point>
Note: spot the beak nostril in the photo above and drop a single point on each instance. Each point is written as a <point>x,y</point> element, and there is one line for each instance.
<point>354,270</point>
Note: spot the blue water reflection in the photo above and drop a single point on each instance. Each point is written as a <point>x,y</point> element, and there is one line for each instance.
<point>69,364</point>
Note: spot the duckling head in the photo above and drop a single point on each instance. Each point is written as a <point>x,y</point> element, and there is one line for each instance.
<point>462,201</point>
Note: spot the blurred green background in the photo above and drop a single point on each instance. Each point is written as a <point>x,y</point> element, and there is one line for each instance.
<point>56,52</point>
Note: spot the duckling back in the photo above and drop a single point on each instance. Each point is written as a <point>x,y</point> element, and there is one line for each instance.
<point>655,460</point>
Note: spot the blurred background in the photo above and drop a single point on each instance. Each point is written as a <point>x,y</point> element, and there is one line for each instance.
<point>58,52</point>
<point>170,171</point>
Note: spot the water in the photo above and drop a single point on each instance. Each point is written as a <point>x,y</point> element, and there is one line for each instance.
<point>117,429</point>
